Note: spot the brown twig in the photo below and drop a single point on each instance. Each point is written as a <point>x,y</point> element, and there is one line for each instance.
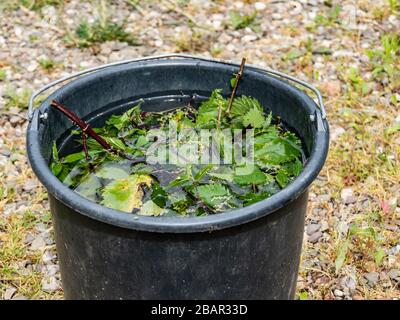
<point>238,76</point>
<point>87,130</point>
<point>85,148</point>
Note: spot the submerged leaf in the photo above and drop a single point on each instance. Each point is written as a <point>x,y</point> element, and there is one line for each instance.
<point>149,208</point>
<point>88,187</point>
<point>111,172</point>
<point>125,194</point>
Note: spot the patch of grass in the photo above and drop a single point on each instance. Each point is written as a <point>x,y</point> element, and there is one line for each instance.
<point>356,83</point>
<point>386,60</point>
<point>13,250</point>
<point>16,99</point>
<point>34,5</point>
<point>330,18</point>
<point>47,64</point>
<point>239,21</point>
<point>87,35</point>
<point>2,75</point>
<point>394,6</point>
<point>192,41</point>
<point>363,242</point>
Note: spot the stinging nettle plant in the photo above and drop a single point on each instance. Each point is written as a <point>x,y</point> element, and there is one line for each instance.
<point>113,167</point>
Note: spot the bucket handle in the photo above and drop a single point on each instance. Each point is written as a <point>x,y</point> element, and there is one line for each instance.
<point>184,56</point>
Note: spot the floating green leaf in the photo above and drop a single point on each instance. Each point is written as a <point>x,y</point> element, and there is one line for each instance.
<point>112,172</point>
<point>249,174</point>
<point>149,208</point>
<point>213,194</point>
<point>159,195</point>
<point>125,194</point>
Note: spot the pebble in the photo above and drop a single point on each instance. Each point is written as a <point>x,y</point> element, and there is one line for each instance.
<point>336,132</point>
<point>349,282</point>
<point>19,297</point>
<point>332,88</point>
<point>324,226</point>
<point>312,228</point>
<point>347,196</point>
<point>249,38</point>
<point>38,243</point>
<point>372,277</point>
<point>394,274</point>
<point>315,237</point>
<point>15,120</point>
<point>50,284</point>
<point>8,294</point>
<point>260,6</point>
<point>30,185</point>
<point>338,293</point>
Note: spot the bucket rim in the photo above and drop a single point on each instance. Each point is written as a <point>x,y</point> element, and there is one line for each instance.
<point>161,224</point>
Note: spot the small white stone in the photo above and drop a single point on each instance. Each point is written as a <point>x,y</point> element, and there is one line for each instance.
<point>158,43</point>
<point>259,6</point>
<point>8,294</point>
<point>32,66</point>
<point>249,38</point>
<point>347,196</point>
<point>50,284</point>
<point>336,132</point>
<point>338,293</point>
<point>38,243</point>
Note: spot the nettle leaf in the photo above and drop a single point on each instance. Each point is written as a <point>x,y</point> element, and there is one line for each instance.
<point>277,151</point>
<point>74,157</point>
<point>233,82</point>
<point>208,110</point>
<point>116,143</point>
<point>125,194</point>
<point>249,174</point>
<point>224,173</point>
<point>89,187</point>
<point>112,172</point>
<point>124,120</point>
<point>213,194</point>
<point>55,153</point>
<point>243,104</point>
<point>252,197</point>
<point>141,141</point>
<point>118,121</point>
<point>56,168</point>
<point>282,178</point>
<point>293,168</point>
<point>203,171</point>
<point>270,133</point>
<point>180,202</point>
<point>159,195</point>
<point>150,208</point>
<point>254,118</point>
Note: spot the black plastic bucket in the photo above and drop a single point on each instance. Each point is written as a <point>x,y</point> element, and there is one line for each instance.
<point>248,253</point>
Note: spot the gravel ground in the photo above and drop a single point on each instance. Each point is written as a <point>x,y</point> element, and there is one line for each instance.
<point>352,239</point>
